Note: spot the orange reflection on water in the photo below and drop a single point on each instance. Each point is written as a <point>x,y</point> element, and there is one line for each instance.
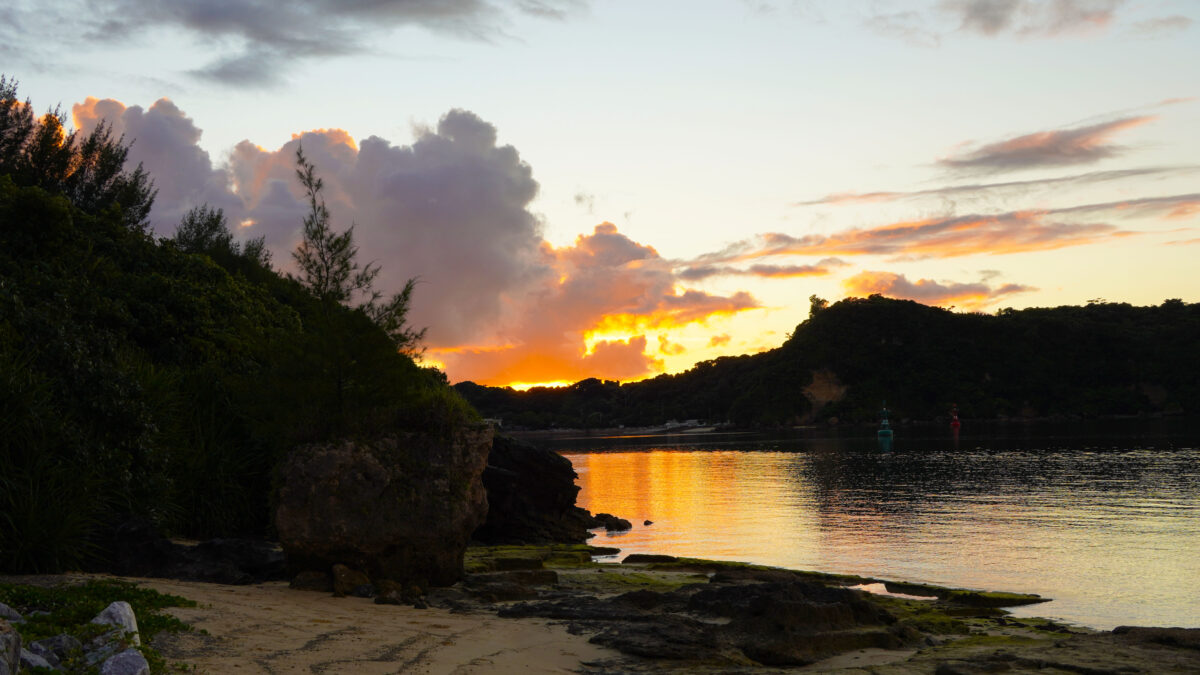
<point>676,491</point>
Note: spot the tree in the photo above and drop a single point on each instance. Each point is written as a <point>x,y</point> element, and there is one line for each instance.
<point>205,230</point>
<point>330,270</point>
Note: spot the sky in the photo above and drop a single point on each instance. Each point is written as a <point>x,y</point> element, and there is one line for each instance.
<point>616,189</point>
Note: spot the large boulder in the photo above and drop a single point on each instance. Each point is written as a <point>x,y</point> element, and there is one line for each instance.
<point>10,648</point>
<point>531,497</point>
<point>401,507</point>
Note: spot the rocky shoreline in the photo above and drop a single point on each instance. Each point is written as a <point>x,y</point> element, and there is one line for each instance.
<point>572,608</point>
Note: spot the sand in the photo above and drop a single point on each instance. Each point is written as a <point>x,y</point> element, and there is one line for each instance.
<point>269,628</point>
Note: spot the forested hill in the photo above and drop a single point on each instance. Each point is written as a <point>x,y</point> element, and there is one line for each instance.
<point>1098,359</point>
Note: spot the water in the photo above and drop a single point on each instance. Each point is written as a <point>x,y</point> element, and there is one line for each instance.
<point>1104,519</point>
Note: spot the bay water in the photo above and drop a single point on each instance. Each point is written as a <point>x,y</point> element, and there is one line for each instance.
<point>1102,517</point>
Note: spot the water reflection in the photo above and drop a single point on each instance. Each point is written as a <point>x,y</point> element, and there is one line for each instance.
<point>1112,533</point>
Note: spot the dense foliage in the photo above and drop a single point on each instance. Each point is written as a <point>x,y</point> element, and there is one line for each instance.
<point>1099,359</point>
<point>163,379</point>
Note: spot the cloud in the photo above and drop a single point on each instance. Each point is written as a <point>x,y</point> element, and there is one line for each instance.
<point>1162,26</point>
<point>907,26</point>
<point>1031,18</point>
<point>719,340</point>
<point>1062,147</point>
<point>821,268</point>
<point>586,201</point>
<point>452,210</point>
<point>665,346</point>
<point>166,142</point>
<point>983,189</point>
<point>950,236</point>
<point>606,291</point>
<point>255,42</point>
<point>967,296</point>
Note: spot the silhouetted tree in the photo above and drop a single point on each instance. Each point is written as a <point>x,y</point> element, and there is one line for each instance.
<point>330,270</point>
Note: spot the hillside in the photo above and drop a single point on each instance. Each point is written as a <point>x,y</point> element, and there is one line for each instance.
<point>1098,359</point>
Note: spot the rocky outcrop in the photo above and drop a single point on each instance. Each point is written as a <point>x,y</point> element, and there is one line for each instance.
<point>399,508</point>
<point>531,497</point>
<point>786,623</point>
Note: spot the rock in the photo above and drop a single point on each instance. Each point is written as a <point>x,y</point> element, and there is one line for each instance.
<point>400,507</point>
<point>612,523</point>
<point>230,561</point>
<point>647,523</point>
<point>1187,638</point>
<point>31,660</point>
<point>128,662</point>
<point>312,580</point>
<point>10,649</point>
<point>347,581</point>
<point>671,637</point>
<point>508,563</point>
<point>527,577</point>
<point>636,558</point>
<point>120,615</point>
<point>502,591</point>
<point>10,614</point>
<point>135,547</point>
<point>797,622</point>
<point>58,649</point>
<point>531,497</point>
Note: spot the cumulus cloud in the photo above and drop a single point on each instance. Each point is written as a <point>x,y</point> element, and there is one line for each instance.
<point>1003,188</point>
<point>1031,18</point>
<point>1060,147</point>
<point>821,268</point>
<point>719,340</point>
<point>166,142</point>
<point>451,209</point>
<point>606,290</point>
<point>970,296</point>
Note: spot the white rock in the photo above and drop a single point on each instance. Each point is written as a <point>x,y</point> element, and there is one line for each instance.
<point>128,662</point>
<point>10,649</point>
<point>120,615</point>
<point>9,613</point>
<point>31,660</point>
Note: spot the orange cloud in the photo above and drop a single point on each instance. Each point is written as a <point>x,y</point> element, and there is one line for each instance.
<point>1061,147</point>
<point>967,296</point>
<point>665,346</point>
<point>1015,232</point>
<point>606,291</point>
<point>718,340</point>
<point>822,268</point>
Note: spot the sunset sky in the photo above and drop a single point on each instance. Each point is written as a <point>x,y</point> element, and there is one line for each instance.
<point>615,189</point>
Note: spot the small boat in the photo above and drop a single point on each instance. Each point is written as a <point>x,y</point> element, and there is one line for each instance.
<point>885,430</point>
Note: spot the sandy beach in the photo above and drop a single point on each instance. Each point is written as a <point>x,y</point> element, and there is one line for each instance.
<point>269,628</point>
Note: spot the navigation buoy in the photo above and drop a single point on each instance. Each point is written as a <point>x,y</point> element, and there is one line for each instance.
<point>954,423</point>
<point>885,430</point>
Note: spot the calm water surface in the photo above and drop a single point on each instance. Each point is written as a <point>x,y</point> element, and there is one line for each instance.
<point>1103,518</point>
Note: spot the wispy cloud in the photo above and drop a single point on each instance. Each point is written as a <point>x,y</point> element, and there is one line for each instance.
<point>821,268</point>
<point>1162,26</point>
<point>256,42</point>
<point>970,296</point>
<point>1060,147</point>
<point>1031,18</point>
<point>947,237</point>
<point>1006,187</point>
